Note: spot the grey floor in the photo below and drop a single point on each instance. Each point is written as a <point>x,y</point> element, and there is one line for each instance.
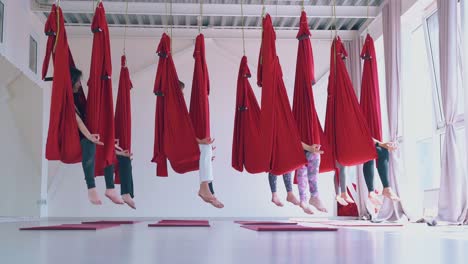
<point>225,242</point>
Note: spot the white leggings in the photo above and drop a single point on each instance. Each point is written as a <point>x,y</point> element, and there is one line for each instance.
<point>206,169</point>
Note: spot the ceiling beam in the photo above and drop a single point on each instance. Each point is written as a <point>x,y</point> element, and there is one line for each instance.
<point>190,33</point>
<point>179,9</point>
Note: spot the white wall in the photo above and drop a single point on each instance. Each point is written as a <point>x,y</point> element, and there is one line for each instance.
<point>244,195</point>
<point>21,133</point>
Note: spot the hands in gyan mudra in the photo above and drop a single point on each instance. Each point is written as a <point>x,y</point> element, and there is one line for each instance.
<point>96,139</point>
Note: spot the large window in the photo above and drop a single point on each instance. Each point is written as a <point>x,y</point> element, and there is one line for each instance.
<point>432,33</point>
<point>32,54</point>
<point>423,110</point>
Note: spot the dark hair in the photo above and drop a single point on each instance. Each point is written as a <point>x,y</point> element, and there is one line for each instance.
<point>181,85</point>
<point>75,75</point>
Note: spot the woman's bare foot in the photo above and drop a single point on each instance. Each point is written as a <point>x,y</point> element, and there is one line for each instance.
<point>306,208</point>
<point>341,201</point>
<point>317,203</point>
<point>373,199</point>
<point>387,192</point>
<point>93,196</point>
<point>128,200</point>
<point>292,198</point>
<point>216,203</point>
<point>346,197</point>
<point>206,195</point>
<point>113,196</point>
<point>276,200</point>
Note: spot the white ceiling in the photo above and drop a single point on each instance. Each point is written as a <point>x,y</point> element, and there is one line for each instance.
<point>219,14</point>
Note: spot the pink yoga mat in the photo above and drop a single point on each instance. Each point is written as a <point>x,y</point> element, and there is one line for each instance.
<point>105,222</point>
<point>263,223</point>
<point>179,224</point>
<point>185,221</point>
<point>71,227</point>
<point>288,228</point>
<point>361,224</point>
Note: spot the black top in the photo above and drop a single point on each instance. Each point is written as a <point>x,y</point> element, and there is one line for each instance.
<point>80,109</point>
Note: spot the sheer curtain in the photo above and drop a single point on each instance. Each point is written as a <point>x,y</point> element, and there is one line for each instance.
<point>464,27</point>
<point>453,195</point>
<point>391,17</point>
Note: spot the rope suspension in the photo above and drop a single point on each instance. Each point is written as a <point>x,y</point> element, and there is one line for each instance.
<point>125,30</point>
<point>242,19</point>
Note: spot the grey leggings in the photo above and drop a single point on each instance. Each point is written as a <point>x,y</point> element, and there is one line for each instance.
<point>342,179</point>
<point>286,178</point>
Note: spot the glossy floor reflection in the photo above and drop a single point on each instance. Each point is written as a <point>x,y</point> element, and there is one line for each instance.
<point>225,243</point>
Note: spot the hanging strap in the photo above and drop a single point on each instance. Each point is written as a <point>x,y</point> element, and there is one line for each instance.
<point>125,30</point>
<point>242,19</point>
<point>200,18</point>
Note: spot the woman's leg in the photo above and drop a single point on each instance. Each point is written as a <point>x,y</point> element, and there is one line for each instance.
<point>206,176</point>
<point>274,195</point>
<point>343,190</point>
<point>368,169</point>
<point>110,187</point>
<point>302,183</point>
<point>126,180</point>
<point>302,186</point>
<point>313,167</point>
<point>288,184</point>
<point>88,152</point>
<point>382,168</point>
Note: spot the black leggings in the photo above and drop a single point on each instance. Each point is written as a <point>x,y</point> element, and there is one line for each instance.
<point>126,177</point>
<point>382,168</point>
<point>88,150</point>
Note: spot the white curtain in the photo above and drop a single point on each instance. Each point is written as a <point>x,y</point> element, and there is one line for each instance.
<point>453,195</point>
<point>391,17</point>
<point>354,67</point>
<point>464,27</point>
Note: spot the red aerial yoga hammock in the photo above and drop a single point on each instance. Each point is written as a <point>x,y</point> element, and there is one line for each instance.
<point>370,97</point>
<point>63,141</point>
<point>174,136</point>
<point>199,104</point>
<point>281,145</point>
<point>304,111</point>
<point>345,126</point>
<point>246,142</point>
<point>100,106</point>
<point>123,113</point>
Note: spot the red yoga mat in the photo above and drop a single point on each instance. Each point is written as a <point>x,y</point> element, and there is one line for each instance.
<point>184,221</point>
<point>71,227</point>
<point>362,223</point>
<point>116,222</point>
<point>263,223</point>
<point>288,228</point>
<point>179,224</point>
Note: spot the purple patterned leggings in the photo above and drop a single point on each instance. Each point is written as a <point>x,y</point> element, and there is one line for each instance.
<point>308,174</point>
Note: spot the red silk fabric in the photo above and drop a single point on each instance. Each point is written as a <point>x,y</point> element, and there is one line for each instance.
<point>199,104</point>
<point>246,142</point>
<point>174,136</point>
<point>370,95</point>
<point>282,150</point>
<point>63,141</point>
<point>345,127</point>
<point>100,106</point>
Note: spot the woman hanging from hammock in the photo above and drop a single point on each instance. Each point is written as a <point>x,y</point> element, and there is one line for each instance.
<point>88,144</point>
